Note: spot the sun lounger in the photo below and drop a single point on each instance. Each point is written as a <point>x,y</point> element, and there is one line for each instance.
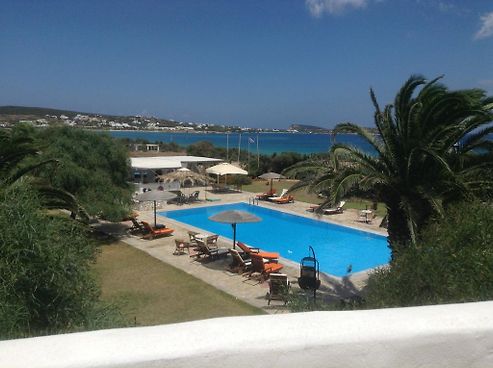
<point>278,287</point>
<point>153,232</point>
<point>137,227</point>
<point>266,195</point>
<point>270,256</point>
<point>335,210</point>
<point>283,193</point>
<point>264,269</point>
<point>283,200</point>
<point>314,207</point>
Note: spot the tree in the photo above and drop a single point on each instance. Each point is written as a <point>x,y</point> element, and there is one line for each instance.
<point>432,148</point>
<point>92,167</point>
<point>453,263</point>
<point>20,158</point>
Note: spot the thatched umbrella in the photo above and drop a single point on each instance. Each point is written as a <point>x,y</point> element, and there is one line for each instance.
<point>183,176</point>
<point>155,195</point>
<point>234,217</point>
<point>271,176</point>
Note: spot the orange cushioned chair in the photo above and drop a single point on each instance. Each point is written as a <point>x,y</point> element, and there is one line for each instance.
<point>265,269</point>
<point>153,232</point>
<point>271,256</point>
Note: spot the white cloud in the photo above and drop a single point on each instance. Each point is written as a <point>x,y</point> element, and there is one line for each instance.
<point>486,29</point>
<point>318,7</point>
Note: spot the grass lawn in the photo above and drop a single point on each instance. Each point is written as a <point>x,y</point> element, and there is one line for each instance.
<point>151,292</point>
<point>259,186</point>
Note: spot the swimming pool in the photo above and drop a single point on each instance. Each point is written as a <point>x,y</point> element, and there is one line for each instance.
<point>336,246</point>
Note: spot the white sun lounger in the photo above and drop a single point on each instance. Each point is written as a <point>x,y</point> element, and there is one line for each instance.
<point>283,193</point>
<point>335,210</point>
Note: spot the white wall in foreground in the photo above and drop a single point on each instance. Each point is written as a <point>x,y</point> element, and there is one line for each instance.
<point>456,335</point>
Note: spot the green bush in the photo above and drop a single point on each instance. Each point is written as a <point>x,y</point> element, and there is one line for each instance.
<point>453,262</point>
<point>45,280</point>
<point>93,167</point>
<point>239,180</point>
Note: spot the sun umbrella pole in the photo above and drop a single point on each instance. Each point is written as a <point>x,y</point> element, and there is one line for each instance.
<point>271,180</point>
<point>234,235</point>
<point>155,223</point>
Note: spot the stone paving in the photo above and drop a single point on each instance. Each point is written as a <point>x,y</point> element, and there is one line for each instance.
<point>216,273</point>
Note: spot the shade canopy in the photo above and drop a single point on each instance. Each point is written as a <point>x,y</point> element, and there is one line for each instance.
<point>155,195</point>
<point>226,169</point>
<point>234,217</point>
<point>271,175</point>
<point>184,176</point>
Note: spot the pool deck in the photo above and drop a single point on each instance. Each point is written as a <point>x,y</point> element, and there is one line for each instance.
<point>216,274</point>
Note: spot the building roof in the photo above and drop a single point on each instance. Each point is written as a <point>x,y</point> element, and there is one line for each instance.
<point>167,162</point>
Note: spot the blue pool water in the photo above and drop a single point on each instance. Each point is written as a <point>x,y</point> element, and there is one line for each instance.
<point>336,247</point>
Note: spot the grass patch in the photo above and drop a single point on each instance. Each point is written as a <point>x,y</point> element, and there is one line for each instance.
<point>259,186</point>
<point>150,292</point>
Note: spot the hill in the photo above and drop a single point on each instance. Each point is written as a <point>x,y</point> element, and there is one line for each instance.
<point>308,128</point>
<point>37,111</point>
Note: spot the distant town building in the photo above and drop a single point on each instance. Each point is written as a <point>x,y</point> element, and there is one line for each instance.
<point>152,147</point>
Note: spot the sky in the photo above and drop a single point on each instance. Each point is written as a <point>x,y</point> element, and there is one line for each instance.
<point>254,63</point>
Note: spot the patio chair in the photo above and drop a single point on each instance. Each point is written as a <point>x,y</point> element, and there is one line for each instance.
<point>211,253</point>
<point>282,195</point>
<point>194,197</point>
<point>180,246</point>
<point>335,210</point>
<point>264,269</point>
<point>180,199</point>
<point>153,232</point>
<point>270,256</point>
<point>191,235</point>
<point>279,286</point>
<point>239,264</point>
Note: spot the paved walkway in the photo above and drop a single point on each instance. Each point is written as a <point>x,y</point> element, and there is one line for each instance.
<point>216,273</point>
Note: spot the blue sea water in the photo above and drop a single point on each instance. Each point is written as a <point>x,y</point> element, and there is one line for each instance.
<point>336,247</point>
<point>268,143</point>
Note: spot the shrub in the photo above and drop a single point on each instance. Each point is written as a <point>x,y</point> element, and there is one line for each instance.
<point>93,167</point>
<point>240,180</point>
<point>453,263</point>
<point>45,281</point>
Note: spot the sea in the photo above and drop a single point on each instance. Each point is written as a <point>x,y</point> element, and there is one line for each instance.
<point>268,143</point>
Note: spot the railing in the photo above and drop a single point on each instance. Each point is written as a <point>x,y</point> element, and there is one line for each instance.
<point>253,201</point>
<point>455,335</point>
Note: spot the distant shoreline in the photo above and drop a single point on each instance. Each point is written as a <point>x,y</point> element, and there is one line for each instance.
<point>202,132</point>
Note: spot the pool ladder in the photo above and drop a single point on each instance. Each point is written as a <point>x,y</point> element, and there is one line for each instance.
<point>253,201</point>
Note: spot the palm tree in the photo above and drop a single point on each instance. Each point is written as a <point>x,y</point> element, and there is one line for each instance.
<point>18,159</point>
<point>432,148</point>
